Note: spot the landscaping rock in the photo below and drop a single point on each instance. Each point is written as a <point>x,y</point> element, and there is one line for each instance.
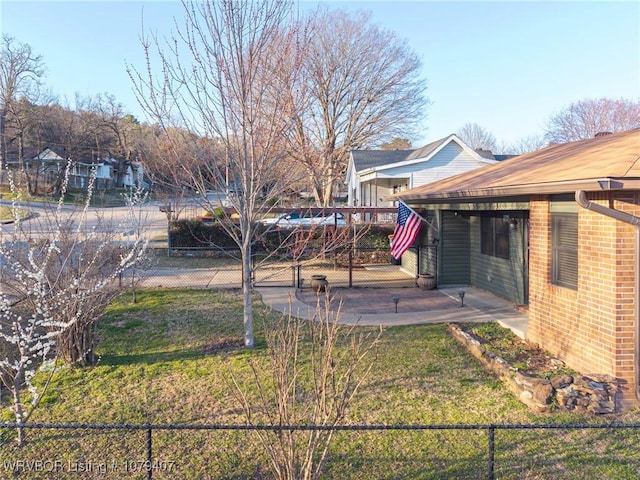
<point>526,395</point>
<point>561,381</point>
<point>543,393</point>
<point>594,393</point>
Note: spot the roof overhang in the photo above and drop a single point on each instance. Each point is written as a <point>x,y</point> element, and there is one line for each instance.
<point>373,175</point>
<point>546,188</point>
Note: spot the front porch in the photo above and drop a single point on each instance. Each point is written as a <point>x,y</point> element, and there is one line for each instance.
<point>376,186</point>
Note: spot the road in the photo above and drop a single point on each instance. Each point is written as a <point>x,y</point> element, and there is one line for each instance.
<point>120,220</point>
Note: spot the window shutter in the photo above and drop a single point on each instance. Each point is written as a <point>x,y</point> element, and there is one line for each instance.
<point>565,250</point>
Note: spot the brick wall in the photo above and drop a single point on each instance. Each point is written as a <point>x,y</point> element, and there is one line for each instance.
<point>591,329</point>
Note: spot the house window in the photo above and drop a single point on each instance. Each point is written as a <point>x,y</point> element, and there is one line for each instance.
<point>564,250</point>
<point>494,239</point>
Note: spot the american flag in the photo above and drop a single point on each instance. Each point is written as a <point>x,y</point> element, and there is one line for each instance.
<point>407,228</point>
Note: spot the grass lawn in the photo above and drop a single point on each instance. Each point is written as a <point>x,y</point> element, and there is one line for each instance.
<point>7,213</point>
<point>168,359</point>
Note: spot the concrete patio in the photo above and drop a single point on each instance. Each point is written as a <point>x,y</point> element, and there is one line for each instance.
<point>444,305</point>
<point>370,303</point>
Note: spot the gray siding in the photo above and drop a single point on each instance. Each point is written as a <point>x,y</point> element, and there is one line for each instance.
<point>455,267</point>
<point>505,278</point>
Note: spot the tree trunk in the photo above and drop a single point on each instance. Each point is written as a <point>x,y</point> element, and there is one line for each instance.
<point>317,193</point>
<point>328,191</point>
<point>17,405</point>
<point>247,291</point>
<point>3,159</point>
<point>25,169</point>
<point>76,345</point>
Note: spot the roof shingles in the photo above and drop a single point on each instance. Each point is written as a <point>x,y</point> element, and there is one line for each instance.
<point>612,156</point>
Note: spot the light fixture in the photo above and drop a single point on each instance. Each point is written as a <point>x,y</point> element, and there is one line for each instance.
<point>461,295</point>
<point>396,300</point>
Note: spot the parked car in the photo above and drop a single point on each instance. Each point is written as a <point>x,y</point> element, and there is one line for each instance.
<point>332,219</point>
<point>296,219</point>
<point>207,218</point>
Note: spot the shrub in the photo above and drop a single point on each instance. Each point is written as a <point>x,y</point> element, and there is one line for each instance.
<point>196,234</point>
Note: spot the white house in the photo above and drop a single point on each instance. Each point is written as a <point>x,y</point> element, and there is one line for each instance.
<point>45,166</point>
<point>134,175</point>
<point>111,172</point>
<point>81,172</point>
<point>49,155</point>
<point>375,174</point>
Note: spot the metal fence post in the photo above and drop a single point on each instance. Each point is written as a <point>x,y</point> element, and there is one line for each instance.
<point>351,265</point>
<point>492,452</point>
<point>149,455</point>
<point>352,235</point>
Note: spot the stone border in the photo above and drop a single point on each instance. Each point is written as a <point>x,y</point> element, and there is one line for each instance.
<point>598,394</point>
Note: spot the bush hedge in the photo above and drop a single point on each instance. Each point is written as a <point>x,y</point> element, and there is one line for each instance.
<point>197,234</point>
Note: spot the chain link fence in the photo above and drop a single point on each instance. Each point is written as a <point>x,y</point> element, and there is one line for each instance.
<point>352,254</point>
<point>491,452</point>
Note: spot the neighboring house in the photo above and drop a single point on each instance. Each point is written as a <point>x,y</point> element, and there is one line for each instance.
<point>45,166</point>
<point>126,173</point>
<point>35,160</point>
<point>81,171</point>
<point>375,174</point>
<point>111,172</point>
<point>36,167</point>
<point>557,230</point>
<point>49,158</point>
<point>135,176</point>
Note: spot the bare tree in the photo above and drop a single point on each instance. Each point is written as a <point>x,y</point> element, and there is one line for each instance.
<point>398,143</point>
<point>585,118</point>
<point>221,83</point>
<point>55,283</point>
<point>477,137</point>
<point>363,87</point>
<point>121,126</point>
<point>20,116</point>
<point>307,387</point>
<point>524,145</point>
<point>20,72</point>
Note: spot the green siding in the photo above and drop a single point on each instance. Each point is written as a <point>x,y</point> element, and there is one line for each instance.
<point>505,278</point>
<point>410,261</point>
<point>428,249</point>
<point>455,266</point>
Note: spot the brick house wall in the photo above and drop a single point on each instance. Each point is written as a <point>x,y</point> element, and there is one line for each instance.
<point>592,328</point>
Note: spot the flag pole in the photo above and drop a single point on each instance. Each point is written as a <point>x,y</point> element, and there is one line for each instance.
<point>421,217</point>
